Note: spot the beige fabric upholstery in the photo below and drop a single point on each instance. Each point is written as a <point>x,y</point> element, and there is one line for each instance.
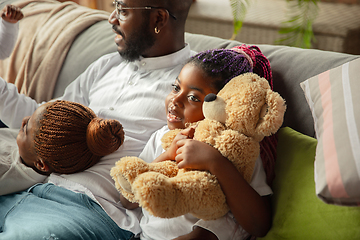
<point>337,27</point>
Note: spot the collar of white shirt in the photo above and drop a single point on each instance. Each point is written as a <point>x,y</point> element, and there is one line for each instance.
<point>167,61</point>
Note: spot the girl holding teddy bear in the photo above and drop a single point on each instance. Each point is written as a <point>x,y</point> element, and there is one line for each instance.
<point>208,72</point>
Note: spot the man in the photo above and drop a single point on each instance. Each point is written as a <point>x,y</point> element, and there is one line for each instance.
<point>129,86</point>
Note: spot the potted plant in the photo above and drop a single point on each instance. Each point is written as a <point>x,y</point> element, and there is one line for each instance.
<point>296,31</point>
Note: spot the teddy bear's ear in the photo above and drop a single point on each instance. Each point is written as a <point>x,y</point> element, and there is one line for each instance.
<point>272,114</point>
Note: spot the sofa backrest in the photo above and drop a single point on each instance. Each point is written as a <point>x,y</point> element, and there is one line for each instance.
<point>290,66</point>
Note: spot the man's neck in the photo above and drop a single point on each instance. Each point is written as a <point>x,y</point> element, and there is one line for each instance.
<point>167,45</point>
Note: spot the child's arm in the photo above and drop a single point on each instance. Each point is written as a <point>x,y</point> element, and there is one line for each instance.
<point>9,29</point>
<point>14,175</point>
<point>252,211</point>
<point>198,233</point>
<point>11,14</point>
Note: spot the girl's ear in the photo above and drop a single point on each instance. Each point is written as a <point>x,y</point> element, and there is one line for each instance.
<point>42,166</point>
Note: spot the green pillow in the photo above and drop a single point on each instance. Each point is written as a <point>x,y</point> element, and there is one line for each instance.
<point>297,212</point>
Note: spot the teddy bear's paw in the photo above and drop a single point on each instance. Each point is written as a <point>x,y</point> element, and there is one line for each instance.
<point>157,195</point>
<point>201,194</point>
<point>125,172</point>
<point>129,168</point>
<point>167,168</point>
<point>124,184</point>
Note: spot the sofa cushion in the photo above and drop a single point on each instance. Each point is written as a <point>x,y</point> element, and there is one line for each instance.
<point>297,212</point>
<point>333,97</point>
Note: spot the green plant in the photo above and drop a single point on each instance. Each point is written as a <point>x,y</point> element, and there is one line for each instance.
<point>239,9</point>
<point>297,31</point>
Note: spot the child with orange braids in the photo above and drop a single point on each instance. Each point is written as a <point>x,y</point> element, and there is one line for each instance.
<point>208,72</point>
<point>60,137</point>
<point>9,28</point>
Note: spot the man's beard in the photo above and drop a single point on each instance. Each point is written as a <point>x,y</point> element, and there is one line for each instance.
<point>138,43</point>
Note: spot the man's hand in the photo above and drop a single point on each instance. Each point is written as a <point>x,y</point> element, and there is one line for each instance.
<point>11,14</point>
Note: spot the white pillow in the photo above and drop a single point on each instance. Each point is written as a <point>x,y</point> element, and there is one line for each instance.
<point>334,99</point>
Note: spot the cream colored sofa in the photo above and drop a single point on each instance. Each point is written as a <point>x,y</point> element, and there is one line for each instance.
<point>298,214</point>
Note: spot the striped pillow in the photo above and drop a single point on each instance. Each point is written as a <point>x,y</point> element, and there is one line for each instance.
<point>334,99</point>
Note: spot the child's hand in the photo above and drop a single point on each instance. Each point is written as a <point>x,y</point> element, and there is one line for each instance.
<point>197,155</point>
<point>11,14</point>
<point>170,153</point>
<point>184,134</point>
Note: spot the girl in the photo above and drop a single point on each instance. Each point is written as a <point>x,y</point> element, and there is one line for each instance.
<point>207,72</point>
<point>9,28</point>
<point>60,137</point>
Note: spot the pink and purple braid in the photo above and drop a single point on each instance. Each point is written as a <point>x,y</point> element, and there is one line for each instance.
<point>222,65</point>
<point>261,65</point>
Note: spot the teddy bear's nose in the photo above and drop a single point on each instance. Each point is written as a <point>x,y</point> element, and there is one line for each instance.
<point>210,97</point>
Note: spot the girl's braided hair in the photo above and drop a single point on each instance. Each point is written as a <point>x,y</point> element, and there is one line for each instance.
<point>221,65</point>
<point>71,138</point>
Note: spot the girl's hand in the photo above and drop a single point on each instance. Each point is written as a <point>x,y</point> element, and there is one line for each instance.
<point>12,14</point>
<point>187,133</point>
<point>170,153</point>
<point>197,155</point>
<point>251,211</point>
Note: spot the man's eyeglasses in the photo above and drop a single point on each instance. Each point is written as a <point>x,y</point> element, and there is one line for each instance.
<point>122,15</point>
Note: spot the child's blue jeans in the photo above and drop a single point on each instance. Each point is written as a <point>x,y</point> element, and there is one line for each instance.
<point>48,212</point>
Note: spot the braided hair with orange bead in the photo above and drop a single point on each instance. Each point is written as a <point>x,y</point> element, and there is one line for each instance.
<point>71,138</point>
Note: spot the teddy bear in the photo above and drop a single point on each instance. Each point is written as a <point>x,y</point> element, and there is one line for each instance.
<point>236,120</point>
